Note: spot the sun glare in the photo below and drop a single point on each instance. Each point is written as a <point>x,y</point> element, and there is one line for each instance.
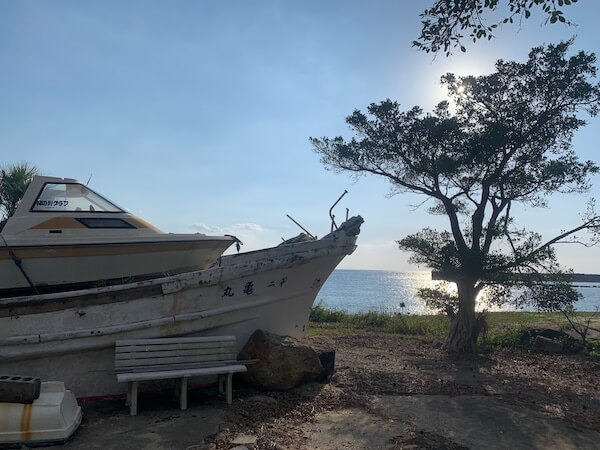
<point>461,67</point>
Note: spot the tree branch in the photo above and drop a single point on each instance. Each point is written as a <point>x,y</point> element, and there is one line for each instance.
<point>592,223</point>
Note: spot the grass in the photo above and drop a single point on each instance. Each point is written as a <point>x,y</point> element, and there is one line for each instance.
<point>506,329</point>
<point>523,338</point>
<point>323,318</point>
<point>512,319</point>
<point>511,329</point>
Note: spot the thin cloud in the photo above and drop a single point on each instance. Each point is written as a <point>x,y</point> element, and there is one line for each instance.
<point>235,229</point>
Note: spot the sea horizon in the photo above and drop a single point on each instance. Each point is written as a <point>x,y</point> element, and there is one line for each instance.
<point>393,291</point>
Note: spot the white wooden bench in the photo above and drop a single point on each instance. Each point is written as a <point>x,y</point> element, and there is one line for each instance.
<point>180,357</point>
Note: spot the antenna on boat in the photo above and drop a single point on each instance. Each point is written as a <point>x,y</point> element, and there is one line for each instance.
<point>303,229</point>
<point>89,179</point>
<point>333,224</point>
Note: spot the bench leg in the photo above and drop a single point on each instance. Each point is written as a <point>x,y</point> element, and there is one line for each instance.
<point>183,394</point>
<point>177,391</point>
<point>134,394</point>
<point>221,384</point>
<point>128,399</point>
<point>229,394</point>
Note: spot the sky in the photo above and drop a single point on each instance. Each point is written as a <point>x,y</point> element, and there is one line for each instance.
<point>196,115</point>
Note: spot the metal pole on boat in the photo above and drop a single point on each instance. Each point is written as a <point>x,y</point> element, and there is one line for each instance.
<point>303,229</point>
<point>333,224</point>
<point>19,264</point>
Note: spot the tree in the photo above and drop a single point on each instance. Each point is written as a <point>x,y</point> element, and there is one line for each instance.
<point>14,181</point>
<point>508,142</point>
<point>446,20</point>
<point>580,325</point>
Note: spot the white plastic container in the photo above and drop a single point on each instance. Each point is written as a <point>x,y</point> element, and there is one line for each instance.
<point>52,418</point>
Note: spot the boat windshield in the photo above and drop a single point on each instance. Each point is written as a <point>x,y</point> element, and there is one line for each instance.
<point>71,197</point>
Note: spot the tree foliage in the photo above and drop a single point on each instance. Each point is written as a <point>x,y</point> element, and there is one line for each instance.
<point>440,299</point>
<point>14,180</point>
<point>508,141</point>
<point>444,24</point>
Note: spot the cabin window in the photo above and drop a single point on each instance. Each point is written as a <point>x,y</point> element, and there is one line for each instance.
<point>104,223</point>
<point>71,197</point>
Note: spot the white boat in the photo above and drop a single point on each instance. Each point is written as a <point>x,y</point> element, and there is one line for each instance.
<point>51,419</point>
<point>70,336</point>
<point>63,236</point>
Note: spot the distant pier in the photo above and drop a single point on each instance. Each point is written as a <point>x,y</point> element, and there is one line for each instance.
<point>574,278</point>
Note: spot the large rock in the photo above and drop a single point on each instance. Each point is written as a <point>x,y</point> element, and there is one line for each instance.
<point>545,344</point>
<point>284,362</point>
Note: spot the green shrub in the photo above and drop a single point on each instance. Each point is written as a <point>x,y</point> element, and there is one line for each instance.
<point>592,348</point>
<point>524,337</point>
<point>508,337</point>
<point>430,326</point>
<point>321,314</point>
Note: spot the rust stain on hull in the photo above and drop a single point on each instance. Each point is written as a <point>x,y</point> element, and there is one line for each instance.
<point>26,423</point>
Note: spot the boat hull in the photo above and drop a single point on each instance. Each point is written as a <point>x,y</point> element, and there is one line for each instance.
<point>57,267</point>
<point>71,337</point>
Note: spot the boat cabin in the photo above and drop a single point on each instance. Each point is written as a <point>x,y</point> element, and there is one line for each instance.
<point>64,206</point>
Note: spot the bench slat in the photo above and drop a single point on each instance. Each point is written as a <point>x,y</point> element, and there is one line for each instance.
<point>174,360</point>
<point>164,375</point>
<point>174,340</point>
<point>167,353</point>
<point>173,346</point>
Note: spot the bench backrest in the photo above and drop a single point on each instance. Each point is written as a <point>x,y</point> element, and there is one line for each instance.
<point>139,355</point>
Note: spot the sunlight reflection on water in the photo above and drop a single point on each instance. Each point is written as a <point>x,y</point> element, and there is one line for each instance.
<point>378,290</point>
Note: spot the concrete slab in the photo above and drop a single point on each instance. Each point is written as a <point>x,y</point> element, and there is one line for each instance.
<point>352,429</point>
<point>107,424</point>
<point>483,422</point>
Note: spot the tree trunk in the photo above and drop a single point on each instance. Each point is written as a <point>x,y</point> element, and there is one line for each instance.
<point>461,338</point>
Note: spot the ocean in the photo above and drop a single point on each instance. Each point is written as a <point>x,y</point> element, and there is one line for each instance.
<point>385,291</point>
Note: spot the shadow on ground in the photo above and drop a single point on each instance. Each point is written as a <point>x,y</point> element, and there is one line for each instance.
<point>387,393</point>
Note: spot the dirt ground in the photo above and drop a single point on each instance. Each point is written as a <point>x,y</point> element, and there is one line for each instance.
<point>387,392</point>
<point>374,365</point>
